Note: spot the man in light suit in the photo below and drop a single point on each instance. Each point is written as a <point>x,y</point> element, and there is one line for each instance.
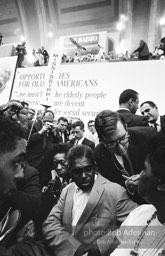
<point>89,209</point>
<point>78,131</point>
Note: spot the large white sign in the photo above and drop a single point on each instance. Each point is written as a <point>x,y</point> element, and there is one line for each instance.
<point>83,90</point>
<point>7,71</point>
<point>29,85</point>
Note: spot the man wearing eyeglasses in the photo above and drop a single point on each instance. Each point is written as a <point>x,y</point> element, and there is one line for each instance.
<point>88,211</point>
<point>121,152</point>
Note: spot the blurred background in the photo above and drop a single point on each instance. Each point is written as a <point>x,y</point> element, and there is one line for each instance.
<point>49,23</point>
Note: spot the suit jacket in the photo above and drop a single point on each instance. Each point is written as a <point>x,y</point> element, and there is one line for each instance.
<point>162,122</point>
<point>133,119</point>
<point>110,168</point>
<point>86,142</point>
<point>66,136</point>
<point>107,205</point>
<point>27,199</point>
<point>38,149</point>
<point>56,185</point>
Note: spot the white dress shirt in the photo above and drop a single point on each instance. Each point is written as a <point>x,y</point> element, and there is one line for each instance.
<point>80,141</point>
<point>158,124</point>
<point>80,199</point>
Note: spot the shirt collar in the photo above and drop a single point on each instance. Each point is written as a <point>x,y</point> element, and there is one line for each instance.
<point>157,122</point>
<point>81,140</point>
<point>124,109</point>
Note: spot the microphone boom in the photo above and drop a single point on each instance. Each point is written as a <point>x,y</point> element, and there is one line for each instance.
<point>78,45</point>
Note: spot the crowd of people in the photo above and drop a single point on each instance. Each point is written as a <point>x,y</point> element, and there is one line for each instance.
<point>41,57</point>
<point>141,53</point>
<point>67,190</point>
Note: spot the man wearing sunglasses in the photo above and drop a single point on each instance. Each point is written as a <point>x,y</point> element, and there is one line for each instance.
<point>121,152</point>
<point>88,211</point>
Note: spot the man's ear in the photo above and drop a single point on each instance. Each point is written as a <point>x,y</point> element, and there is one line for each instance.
<point>131,101</point>
<point>19,171</point>
<point>161,187</point>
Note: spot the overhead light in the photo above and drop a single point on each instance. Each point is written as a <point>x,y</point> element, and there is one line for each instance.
<point>50,34</point>
<point>120,26</point>
<point>162,21</point>
<point>22,38</point>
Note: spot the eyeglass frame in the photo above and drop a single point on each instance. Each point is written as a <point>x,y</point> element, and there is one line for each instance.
<point>117,142</point>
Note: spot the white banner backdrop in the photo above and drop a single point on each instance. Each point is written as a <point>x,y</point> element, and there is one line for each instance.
<point>29,85</point>
<point>7,71</point>
<point>83,90</point>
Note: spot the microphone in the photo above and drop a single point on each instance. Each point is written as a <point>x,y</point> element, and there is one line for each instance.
<point>100,46</point>
<point>78,45</point>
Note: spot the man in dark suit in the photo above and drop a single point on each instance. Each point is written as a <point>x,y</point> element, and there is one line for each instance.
<point>129,103</point>
<point>122,152</point>
<point>39,144</point>
<point>88,210</point>
<point>62,126</point>
<point>78,130</point>
<point>150,111</point>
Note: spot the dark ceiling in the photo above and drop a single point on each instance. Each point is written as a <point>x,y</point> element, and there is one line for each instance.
<point>42,22</point>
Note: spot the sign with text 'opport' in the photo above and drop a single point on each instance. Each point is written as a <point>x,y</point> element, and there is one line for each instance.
<point>82,90</point>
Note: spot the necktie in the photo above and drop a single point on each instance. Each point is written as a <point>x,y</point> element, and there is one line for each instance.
<point>156,126</point>
<point>127,165</point>
<point>76,142</point>
<point>62,136</point>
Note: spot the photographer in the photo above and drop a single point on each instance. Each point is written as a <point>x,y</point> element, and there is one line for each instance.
<point>14,110</point>
<point>11,109</point>
<point>40,143</point>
